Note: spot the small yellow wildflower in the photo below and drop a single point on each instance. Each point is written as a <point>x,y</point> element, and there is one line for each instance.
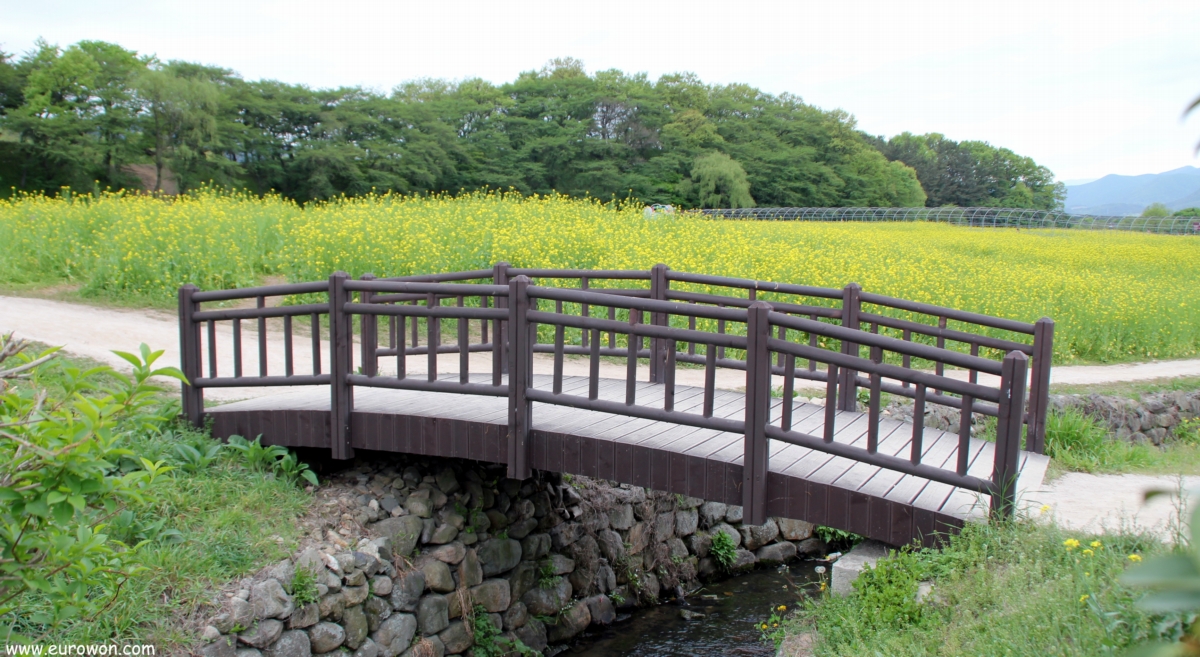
<point>1071,543</point>
<point>764,626</point>
<point>1135,558</point>
<point>1084,597</point>
<point>781,608</point>
<point>1097,544</point>
<point>1045,508</point>
<point>1088,553</point>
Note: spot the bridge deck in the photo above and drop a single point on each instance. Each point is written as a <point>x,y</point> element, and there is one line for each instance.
<point>803,484</point>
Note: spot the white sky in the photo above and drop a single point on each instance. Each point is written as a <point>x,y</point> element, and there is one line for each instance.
<point>1085,88</point>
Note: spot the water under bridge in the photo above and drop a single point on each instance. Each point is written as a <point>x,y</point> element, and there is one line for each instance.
<point>732,390</point>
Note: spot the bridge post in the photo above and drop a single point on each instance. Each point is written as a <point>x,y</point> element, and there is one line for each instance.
<point>658,351</point>
<point>501,331</point>
<point>189,357</point>
<point>1008,434</point>
<point>848,385</point>
<point>1039,385</point>
<point>341,356</point>
<point>755,463</point>
<point>519,366</point>
<point>369,333</point>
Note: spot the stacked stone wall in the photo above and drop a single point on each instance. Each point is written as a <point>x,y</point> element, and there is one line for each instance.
<point>413,552</point>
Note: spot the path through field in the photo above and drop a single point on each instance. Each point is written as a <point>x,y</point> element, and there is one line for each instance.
<point>1076,500</point>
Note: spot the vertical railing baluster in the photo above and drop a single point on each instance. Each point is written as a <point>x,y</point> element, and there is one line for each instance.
<point>635,318</point>
<point>721,330</point>
<point>464,346</point>
<point>402,346</point>
<point>669,377</point>
<point>341,364</point>
<point>519,408</point>
<point>237,348</point>
<point>433,336</point>
<point>1006,464</point>
<point>851,307</point>
<point>559,335</point>
<point>368,333</point>
<point>918,433</point>
<point>831,400</point>
<point>316,343</point>
<point>189,351</point>
<point>873,404</point>
<point>594,366</point>
<point>907,359</point>
<point>289,358</point>
<point>584,311</point>
<point>756,447</point>
<point>262,338</point>
<point>710,378</point>
<point>212,349</point>
<point>789,390</point>
<point>812,342</point>
<point>612,334</point>
<point>692,327</point>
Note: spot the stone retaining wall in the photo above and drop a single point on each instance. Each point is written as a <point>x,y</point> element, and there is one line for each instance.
<point>420,541</point>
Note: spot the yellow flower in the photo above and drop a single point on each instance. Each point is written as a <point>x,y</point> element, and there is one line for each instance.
<point>1088,553</point>
<point>1071,543</point>
<point>1084,597</point>
<point>781,608</point>
<point>1097,544</point>
<point>1135,558</point>
<point>764,626</point>
<point>1045,508</point>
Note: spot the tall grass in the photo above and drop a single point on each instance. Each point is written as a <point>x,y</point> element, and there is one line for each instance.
<point>1115,296</point>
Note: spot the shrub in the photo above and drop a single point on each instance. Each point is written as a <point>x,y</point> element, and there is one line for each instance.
<point>62,497</point>
<point>890,589</point>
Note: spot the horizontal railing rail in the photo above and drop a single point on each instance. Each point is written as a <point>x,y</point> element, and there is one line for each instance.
<point>776,340</point>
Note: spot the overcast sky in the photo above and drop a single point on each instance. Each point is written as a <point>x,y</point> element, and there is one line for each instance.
<point>1086,89</point>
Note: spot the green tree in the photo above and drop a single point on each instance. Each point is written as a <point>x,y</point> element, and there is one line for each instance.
<point>180,121</point>
<point>719,182</point>
<point>1156,210</point>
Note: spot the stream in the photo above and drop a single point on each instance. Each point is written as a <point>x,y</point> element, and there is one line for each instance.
<point>733,610</point>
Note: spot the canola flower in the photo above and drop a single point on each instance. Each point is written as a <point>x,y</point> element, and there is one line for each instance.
<point>1071,544</point>
<point>1135,558</point>
<point>1113,295</point>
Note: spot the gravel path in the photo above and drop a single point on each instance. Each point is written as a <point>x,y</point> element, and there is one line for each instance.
<point>1078,501</point>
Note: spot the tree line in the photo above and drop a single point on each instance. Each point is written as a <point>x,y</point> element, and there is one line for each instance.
<point>96,114</point>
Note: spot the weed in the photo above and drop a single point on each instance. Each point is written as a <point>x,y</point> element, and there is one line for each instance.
<point>304,587</point>
<point>839,537</point>
<point>546,577</point>
<point>723,549</point>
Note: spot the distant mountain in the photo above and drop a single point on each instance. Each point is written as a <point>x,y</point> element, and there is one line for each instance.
<point>1129,195</point>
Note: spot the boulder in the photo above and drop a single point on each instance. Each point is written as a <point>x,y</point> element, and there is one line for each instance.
<point>270,600</point>
<point>241,614</point>
<point>776,553</point>
<point>570,622</point>
<point>377,610</point>
<point>446,481</point>
<point>381,585</point>
<point>305,616</point>
<point>812,546</point>
<point>355,595</point>
<point>677,549</point>
<point>794,530</point>
<point>222,647</point>
<point>263,634</point>
<point>532,634</point>
<point>368,649</point>
<point>433,614</point>
<point>456,638</point>
<point>406,590</point>
<point>535,546</point>
<point>331,606</point>
<point>611,545</point>
<point>743,560</point>
<point>404,532</point>
<point>499,555</point>
<point>522,578</point>
<point>419,505</point>
<point>639,537</point>
<point>686,522</point>
<point>699,543</point>
<point>733,514</point>
<point>565,534</point>
<point>450,553</point>
<point>395,634</point>
<point>437,575</point>
<point>712,513</point>
<point>354,620</point>
<point>601,609</point>
<point>621,516</point>
<point>515,616</point>
<point>470,572</point>
<point>557,564</point>
<point>325,637</point>
<point>547,601</point>
<point>443,534</point>
<point>521,528</point>
<point>664,526</point>
<point>493,594</point>
<point>756,536</point>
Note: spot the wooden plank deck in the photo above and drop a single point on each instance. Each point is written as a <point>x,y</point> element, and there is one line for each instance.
<point>802,483</point>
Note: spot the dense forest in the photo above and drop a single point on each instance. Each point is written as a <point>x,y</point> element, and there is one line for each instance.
<point>96,114</point>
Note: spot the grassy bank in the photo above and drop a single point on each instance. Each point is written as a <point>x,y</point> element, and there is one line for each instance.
<point>1026,589</point>
<point>201,526</point>
<point>1115,296</point>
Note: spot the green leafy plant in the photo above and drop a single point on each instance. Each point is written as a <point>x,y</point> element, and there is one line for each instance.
<point>723,549</point>
<point>890,589</point>
<point>546,577</point>
<point>131,528</point>
<point>304,587</point>
<point>191,459</point>
<point>834,536</point>
<point>292,468</point>
<point>60,488</point>
<point>490,643</point>
<point>257,456</point>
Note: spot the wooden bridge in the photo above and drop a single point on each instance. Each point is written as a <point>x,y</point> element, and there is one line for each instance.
<point>764,447</point>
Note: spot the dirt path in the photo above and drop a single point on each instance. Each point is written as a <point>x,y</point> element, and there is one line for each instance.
<point>93,332</point>
<point>1107,503</point>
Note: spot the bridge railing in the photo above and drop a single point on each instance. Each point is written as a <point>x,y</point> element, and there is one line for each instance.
<point>722,331</point>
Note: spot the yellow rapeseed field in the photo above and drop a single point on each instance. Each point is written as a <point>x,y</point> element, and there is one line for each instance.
<point>1114,295</point>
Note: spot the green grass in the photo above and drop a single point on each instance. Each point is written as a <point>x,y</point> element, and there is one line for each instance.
<point>231,522</point>
<point>1011,591</point>
<point>1078,443</point>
